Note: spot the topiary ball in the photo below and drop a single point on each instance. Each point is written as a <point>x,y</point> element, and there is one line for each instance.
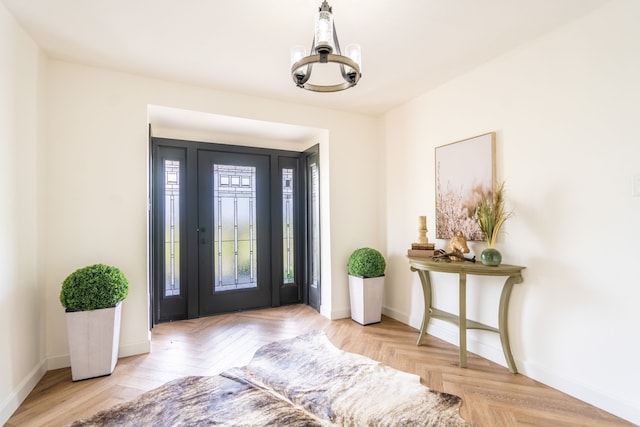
<point>366,262</point>
<point>94,287</point>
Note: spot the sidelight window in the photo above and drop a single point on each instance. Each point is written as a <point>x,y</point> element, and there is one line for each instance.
<point>172,227</point>
<point>288,226</point>
<point>314,216</point>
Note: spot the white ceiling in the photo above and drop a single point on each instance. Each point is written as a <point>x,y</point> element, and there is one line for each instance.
<point>408,46</point>
<point>168,122</point>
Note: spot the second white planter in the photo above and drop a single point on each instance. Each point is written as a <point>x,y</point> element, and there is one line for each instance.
<point>94,338</point>
<point>366,299</point>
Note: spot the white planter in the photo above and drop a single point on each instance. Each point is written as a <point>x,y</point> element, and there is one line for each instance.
<point>94,337</point>
<point>366,299</point>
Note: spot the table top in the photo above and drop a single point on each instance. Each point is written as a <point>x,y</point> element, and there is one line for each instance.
<point>476,268</point>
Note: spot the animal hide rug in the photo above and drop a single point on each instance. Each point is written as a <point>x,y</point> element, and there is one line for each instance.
<point>303,381</point>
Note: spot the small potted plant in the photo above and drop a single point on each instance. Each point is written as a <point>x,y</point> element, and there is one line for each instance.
<point>366,285</point>
<point>491,215</point>
<point>92,297</point>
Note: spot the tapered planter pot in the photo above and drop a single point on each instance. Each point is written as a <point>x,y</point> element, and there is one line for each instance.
<point>366,299</point>
<point>94,338</point>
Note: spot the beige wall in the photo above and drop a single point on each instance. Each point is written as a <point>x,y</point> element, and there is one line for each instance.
<point>565,110</point>
<point>74,170</point>
<point>21,305</point>
<point>80,166</point>
<point>97,183</point>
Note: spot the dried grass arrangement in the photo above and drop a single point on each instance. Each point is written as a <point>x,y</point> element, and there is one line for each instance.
<point>491,214</point>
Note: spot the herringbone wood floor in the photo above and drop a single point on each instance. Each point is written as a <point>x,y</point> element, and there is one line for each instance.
<point>491,395</point>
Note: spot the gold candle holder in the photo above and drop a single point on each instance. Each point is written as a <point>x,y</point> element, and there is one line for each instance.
<point>422,229</point>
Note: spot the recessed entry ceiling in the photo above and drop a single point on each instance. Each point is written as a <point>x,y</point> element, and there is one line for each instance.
<point>242,46</point>
<point>167,122</point>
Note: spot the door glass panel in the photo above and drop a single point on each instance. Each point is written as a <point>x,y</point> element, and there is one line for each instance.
<point>315,226</point>
<point>171,228</point>
<point>234,213</point>
<point>287,227</point>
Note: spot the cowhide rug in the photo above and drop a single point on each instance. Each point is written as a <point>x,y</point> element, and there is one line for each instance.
<point>303,381</point>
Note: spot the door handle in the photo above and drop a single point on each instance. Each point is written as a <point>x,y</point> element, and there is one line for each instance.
<point>202,230</point>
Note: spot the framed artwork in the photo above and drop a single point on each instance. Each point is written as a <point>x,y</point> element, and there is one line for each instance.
<point>464,170</point>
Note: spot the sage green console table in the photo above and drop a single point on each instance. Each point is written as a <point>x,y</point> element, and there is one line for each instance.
<point>423,266</point>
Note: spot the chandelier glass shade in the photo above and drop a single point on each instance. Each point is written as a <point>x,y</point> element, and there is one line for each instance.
<point>325,49</point>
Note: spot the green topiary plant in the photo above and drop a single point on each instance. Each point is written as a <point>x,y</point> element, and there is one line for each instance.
<point>94,287</point>
<point>366,262</point>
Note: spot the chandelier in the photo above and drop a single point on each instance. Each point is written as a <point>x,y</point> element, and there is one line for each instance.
<point>325,49</point>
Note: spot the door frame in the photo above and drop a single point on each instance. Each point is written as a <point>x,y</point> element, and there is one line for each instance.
<point>280,296</point>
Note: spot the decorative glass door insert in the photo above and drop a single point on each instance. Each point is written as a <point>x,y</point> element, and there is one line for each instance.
<point>288,227</point>
<point>315,226</point>
<point>235,231</point>
<point>172,228</point>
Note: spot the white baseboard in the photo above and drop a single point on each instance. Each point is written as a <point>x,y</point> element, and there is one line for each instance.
<point>450,333</point>
<point>13,401</point>
<point>58,362</point>
<point>324,312</point>
<point>340,313</point>
<point>63,361</point>
<point>134,349</point>
<point>394,314</point>
<point>616,405</point>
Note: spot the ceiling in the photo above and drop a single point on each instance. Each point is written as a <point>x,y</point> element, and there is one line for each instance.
<point>408,46</point>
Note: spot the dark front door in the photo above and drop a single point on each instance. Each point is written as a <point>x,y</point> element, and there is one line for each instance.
<point>233,232</point>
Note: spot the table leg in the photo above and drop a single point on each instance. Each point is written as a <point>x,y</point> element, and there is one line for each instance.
<point>463,319</point>
<point>503,320</point>
<point>425,280</point>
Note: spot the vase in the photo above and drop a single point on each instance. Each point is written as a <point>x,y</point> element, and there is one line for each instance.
<point>491,256</point>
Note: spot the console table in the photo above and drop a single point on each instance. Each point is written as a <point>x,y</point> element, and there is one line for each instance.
<point>423,266</point>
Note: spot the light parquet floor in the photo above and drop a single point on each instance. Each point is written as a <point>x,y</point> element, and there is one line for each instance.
<point>492,396</point>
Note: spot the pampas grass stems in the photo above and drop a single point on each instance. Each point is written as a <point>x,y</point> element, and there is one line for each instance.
<point>492,214</point>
